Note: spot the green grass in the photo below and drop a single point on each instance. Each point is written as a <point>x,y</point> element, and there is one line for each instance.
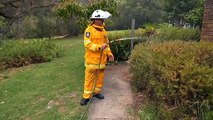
<point>149,111</point>
<point>25,92</point>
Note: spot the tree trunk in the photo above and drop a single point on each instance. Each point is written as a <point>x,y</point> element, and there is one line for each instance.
<point>207,28</point>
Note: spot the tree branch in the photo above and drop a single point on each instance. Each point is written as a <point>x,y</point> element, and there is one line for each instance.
<point>5,16</point>
<point>12,13</point>
<point>11,4</point>
<point>5,2</point>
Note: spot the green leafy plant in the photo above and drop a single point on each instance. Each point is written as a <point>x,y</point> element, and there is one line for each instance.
<point>151,111</point>
<point>24,52</point>
<point>122,42</point>
<point>166,33</point>
<point>150,30</point>
<point>176,73</point>
<point>162,32</point>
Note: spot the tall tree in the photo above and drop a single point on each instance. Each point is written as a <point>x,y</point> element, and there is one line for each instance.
<point>81,11</point>
<point>13,10</point>
<point>143,11</point>
<point>179,9</point>
<point>195,16</point>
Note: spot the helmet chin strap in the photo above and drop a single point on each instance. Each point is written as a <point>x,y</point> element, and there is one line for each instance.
<point>92,22</point>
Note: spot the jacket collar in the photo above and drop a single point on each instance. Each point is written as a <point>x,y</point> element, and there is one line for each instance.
<point>99,28</point>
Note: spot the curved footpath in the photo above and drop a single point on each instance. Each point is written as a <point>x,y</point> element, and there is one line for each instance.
<point>118,96</point>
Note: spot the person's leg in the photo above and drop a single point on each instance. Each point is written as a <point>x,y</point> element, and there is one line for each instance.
<point>90,75</point>
<point>99,85</point>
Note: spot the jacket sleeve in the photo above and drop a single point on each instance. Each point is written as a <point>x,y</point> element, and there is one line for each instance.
<point>107,49</point>
<point>88,42</point>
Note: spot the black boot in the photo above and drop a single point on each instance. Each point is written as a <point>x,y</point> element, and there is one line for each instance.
<point>84,101</point>
<point>99,96</point>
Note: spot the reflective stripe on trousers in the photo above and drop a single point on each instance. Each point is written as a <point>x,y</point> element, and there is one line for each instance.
<point>95,66</point>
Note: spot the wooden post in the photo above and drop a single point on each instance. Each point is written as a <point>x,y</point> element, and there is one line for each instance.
<point>132,33</point>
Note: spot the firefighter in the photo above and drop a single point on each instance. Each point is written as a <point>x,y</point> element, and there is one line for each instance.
<point>95,42</point>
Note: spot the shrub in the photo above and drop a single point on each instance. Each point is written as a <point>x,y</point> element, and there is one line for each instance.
<point>166,33</point>
<point>150,30</point>
<point>151,111</point>
<point>23,52</point>
<point>177,73</point>
<point>121,48</point>
<point>114,35</point>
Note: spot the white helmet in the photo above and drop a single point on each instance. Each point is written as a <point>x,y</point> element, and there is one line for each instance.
<point>100,14</point>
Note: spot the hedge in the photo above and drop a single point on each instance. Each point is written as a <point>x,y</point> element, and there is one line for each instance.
<point>177,73</point>
<point>18,53</point>
<point>121,49</point>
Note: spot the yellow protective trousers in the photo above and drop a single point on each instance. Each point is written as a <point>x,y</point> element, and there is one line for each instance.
<point>90,76</point>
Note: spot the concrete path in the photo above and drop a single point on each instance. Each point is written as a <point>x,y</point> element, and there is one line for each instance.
<point>118,96</point>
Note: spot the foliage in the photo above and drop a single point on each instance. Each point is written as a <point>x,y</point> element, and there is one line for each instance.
<point>150,30</point>
<point>13,10</point>
<point>178,74</point>
<point>195,16</point>
<point>165,33</point>
<point>39,18</point>
<point>179,8</point>
<point>189,10</point>
<point>208,116</point>
<point>1,21</point>
<point>121,48</point>
<point>143,11</point>
<point>81,12</point>
<point>150,111</point>
<point>45,91</point>
<point>46,24</point>
<point>24,52</point>
<point>40,22</point>
<point>114,35</point>
<point>121,43</point>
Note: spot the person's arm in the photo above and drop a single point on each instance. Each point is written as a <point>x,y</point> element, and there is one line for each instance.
<point>108,51</point>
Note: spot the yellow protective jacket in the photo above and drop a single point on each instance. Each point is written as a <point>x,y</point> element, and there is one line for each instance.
<point>94,37</point>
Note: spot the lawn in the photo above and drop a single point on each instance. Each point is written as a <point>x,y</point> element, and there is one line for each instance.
<point>47,91</point>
